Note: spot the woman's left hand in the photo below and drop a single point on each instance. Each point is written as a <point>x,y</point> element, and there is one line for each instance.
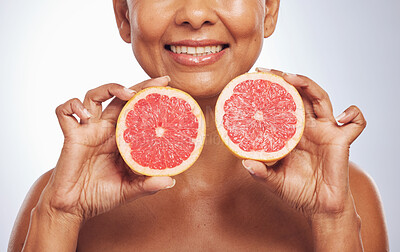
<point>314,177</point>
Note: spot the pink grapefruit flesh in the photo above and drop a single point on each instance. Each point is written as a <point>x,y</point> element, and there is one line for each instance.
<point>260,116</point>
<point>160,131</point>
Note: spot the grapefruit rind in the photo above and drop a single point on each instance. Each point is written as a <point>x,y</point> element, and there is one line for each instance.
<point>125,149</point>
<point>268,157</point>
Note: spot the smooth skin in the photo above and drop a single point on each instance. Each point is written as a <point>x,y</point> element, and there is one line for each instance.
<point>313,199</point>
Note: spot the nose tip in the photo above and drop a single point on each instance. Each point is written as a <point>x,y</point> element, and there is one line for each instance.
<point>196,14</point>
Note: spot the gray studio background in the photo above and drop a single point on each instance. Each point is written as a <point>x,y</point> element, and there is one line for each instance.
<point>51,51</point>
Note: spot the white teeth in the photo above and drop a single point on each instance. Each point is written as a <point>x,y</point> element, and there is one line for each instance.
<point>191,50</point>
<point>200,49</point>
<point>184,49</point>
<point>196,51</point>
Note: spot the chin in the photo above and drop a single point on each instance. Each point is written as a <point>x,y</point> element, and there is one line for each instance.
<point>201,84</point>
<point>199,90</point>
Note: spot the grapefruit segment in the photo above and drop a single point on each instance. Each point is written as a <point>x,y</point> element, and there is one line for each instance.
<point>260,116</point>
<point>160,131</point>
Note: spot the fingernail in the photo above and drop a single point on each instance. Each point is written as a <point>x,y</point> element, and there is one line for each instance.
<point>341,116</point>
<point>262,69</point>
<point>87,113</point>
<point>290,75</point>
<point>172,185</point>
<point>271,163</point>
<point>164,77</point>
<point>248,168</point>
<point>294,79</point>
<point>130,91</point>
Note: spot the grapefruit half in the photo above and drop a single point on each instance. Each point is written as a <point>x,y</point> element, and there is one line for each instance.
<point>160,131</point>
<point>260,116</point>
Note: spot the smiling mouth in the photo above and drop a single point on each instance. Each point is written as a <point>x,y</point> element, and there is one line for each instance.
<point>196,50</point>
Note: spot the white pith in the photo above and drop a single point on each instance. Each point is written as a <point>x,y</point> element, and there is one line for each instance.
<point>160,131</point>
<point>196,51</point>
<point>125,149</point>
<point>259,155</point>
<point>259,116</point>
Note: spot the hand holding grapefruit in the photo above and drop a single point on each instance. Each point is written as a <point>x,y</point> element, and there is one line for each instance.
<point>313,177</point>
<point>260,116</point>
<point>90,177</point>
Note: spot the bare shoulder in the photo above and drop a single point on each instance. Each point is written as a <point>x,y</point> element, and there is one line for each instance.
<point>370,209</point>
<point>21,224</point>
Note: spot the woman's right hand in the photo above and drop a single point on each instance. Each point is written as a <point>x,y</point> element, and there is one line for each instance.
<point>91,177</point>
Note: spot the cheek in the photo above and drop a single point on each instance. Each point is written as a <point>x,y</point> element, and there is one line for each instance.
<point>245,21</point>
<point>244,18</point>
<point>148,20</point>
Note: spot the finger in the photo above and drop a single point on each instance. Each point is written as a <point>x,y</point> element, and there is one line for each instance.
<point>152,184</point>
<point>95,97</point>
<point>114,108</point>
<point>146,185</point>
<point>318,97</point>
<point>65,114</point>
<point>308,106</point>
<point>156,82</point>
<point>353,122</point>
<point>267,70</point>
<point>260,171</point>
<point>262,69</point>
<point>281,74</point>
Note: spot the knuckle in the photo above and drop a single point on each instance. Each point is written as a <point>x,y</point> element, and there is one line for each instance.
<point>354,107</point>
<point>364,123</point>
<point>90,93</point>
<point>325,95</point>
<point>110,86</point>
<point>306,79</point>
<point>59,109</point>
<point>323,99</point>
<point>317,100</point>
<point>114,89</point>
<point>74,101</point>
<point>116,85</point>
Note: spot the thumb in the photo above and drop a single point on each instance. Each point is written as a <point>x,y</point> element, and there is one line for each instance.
<point>260,171</point>
<point>154,184</point>
<point>143,186</point>
<point>353,122</point>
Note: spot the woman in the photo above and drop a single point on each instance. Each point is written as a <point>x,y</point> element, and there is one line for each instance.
<point>312,199</point>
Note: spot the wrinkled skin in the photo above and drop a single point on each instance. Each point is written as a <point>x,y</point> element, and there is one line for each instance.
<point>311,199</point>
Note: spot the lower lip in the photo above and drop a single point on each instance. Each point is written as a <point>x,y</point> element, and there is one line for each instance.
<point>190,60</point>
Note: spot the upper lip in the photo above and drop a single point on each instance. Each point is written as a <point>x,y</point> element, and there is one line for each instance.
<point>197,43</point>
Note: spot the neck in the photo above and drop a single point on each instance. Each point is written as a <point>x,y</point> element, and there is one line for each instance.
<point>216,164</point>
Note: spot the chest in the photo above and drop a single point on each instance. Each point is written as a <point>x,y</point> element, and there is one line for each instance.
<point>198,225</point>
